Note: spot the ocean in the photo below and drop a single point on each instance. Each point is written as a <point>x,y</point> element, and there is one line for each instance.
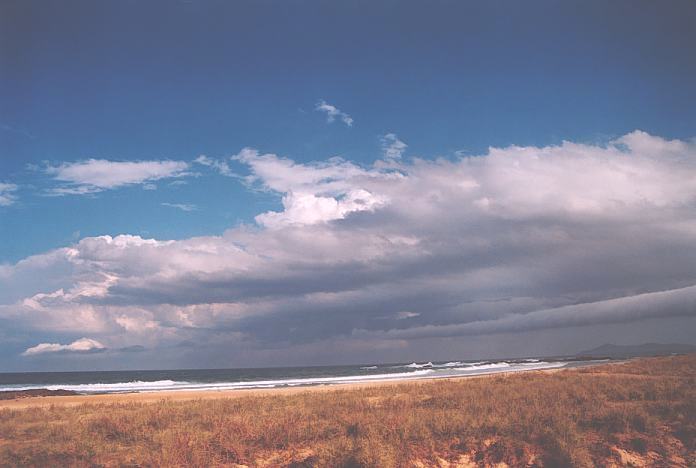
<point>88,382</point>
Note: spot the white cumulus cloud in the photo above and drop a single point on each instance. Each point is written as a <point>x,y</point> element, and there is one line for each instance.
<point>83,345</point>
<point>312,193</point>
<point>516,240</point>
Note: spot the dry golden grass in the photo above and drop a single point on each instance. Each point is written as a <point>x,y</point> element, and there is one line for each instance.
<point>641,412</point>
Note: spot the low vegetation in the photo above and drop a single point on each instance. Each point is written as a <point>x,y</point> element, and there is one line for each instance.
<point>638,413</point>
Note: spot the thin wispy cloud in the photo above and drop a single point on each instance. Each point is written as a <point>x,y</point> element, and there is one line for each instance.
<point>392,147</point>
<point>7,194</point>
<point>220,166</point>
<point>97,175</point>
<point>181,206</point>
<point>332,113</point>
<point>17,131</point>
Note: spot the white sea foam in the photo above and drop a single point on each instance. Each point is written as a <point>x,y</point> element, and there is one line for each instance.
<point>510,367</point>
<point>449,364</point>
<point>121,386</point>
<point>159,385</point>
<point>415,365</point>
<point>136,385</point>
<point>494,365</point>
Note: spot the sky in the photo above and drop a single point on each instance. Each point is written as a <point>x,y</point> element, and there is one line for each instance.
<point>207,184</point>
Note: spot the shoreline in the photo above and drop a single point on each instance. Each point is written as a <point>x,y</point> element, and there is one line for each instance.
<point>637,412</point>
<point>25,402</point>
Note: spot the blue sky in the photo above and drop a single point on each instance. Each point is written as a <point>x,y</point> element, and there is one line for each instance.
<point>171,81</point>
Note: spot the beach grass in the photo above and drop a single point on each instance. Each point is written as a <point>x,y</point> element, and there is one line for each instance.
<point>642,412</point>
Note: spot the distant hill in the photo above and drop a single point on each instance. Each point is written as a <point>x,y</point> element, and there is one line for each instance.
<point>647,349</point>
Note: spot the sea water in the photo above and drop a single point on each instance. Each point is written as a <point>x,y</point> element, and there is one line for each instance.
<point>89,382</point>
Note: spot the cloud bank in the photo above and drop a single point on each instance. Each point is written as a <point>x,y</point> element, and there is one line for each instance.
<point>512,241</point>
